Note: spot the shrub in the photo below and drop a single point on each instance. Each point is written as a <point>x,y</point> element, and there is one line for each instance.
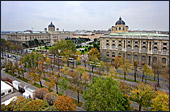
<point>51,98</point>
<point>35,105</point>
<point>20,102</point>
<point>40,93</point>
<point>65,103</point>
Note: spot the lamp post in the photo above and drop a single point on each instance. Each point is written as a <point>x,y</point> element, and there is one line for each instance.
<point>58,59</point>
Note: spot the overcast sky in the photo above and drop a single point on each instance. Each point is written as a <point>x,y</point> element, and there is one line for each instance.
<point>84,15</point>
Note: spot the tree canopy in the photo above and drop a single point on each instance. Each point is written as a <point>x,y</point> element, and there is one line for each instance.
<point>104,95</point>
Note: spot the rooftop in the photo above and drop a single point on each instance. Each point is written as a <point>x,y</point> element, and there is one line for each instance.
<point>139,34</point>
<point>4,86</point>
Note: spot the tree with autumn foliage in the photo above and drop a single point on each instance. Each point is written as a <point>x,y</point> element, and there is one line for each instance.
<point>40,93</point>
<point>54,81</point>
<point>124,87</point>
<point>51,98</point>
<point>117,62</point>
<point>143,95</point>
<point>101,66</point>
<point>135,64</point>
<point>64,103</point>
<point>160,102</point>
<point>51,82</point>
<point>76,81</point>
<point>112,72</point>
<point>35,75</point>
<point>35,105</point>
<point>157,69</point>
<point>85,77</point>
<point>126,66</point>
<point>20,102</point>
<point>65,71</point>
<point>104,95</point>
<point>147,71</point>
<point>93,52</point>
<point>63,85</point>
<point>165,74</point>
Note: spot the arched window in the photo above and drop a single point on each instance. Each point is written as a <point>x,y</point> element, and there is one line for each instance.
<point>143,49</point>
<point>164,50</point>
<point>107,45</point>
<point>119,28</point>
<point>113,54</point>
<point>120,47</point>
<point>143,58</point>
<point>154,59</point>
<point>155,50</point>
<point>107,53</point>
<point>164,60</point>
<point>113,46</point>
<point>128,56</point>
<point>136,48</point>
<point>123,28</point>
<point>136,57</point>
<point>128,47</point>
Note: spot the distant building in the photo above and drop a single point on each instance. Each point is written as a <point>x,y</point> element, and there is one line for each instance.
<point>146,48</point>
<point>119,27</point>
<point>45,36</point>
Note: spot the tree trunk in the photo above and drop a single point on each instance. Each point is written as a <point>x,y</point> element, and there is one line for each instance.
<point>146,79</point>
<point>154,76</point>
<point>67,63</point>
<point>135,75</point>
<point>85,65</point>
<point>56,88</point>
<point>158,79</point>
<point>41,84</point>
<point>125,75</point>
<point>78,95</point>
<point>140,106</point>
<point>143,76</point>
<point>92,69</point>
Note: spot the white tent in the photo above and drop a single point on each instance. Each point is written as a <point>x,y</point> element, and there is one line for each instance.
<point>5,89</point>
<point>26,95</point>
<point>9,100</point>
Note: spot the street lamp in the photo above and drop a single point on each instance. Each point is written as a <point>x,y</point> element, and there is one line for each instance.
<point>58,58</point>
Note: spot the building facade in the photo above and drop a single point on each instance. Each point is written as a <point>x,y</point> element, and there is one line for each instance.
<point>45,36</point>
<point>146,48</point>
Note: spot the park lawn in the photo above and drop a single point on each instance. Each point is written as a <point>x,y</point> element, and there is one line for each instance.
<point>44,47</point>
<point>23,79</point>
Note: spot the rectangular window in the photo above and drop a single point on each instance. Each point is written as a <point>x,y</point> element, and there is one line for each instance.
<point>164,43</point>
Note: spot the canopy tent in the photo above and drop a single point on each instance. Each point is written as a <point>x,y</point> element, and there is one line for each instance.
<point>5,88</point>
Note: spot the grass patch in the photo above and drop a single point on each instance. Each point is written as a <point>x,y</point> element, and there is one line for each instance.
<point>36,85</point>
<point>46,79</point>
<point>131,80</point>
<point>76,102</point>
<point>10,73</point>
<point>23,79</point>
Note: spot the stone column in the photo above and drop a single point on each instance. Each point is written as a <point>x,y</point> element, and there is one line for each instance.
<point>140,46</point>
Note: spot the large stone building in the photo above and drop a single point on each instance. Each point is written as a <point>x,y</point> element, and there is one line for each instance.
<point>45,36</point>
<point>145,47</point>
